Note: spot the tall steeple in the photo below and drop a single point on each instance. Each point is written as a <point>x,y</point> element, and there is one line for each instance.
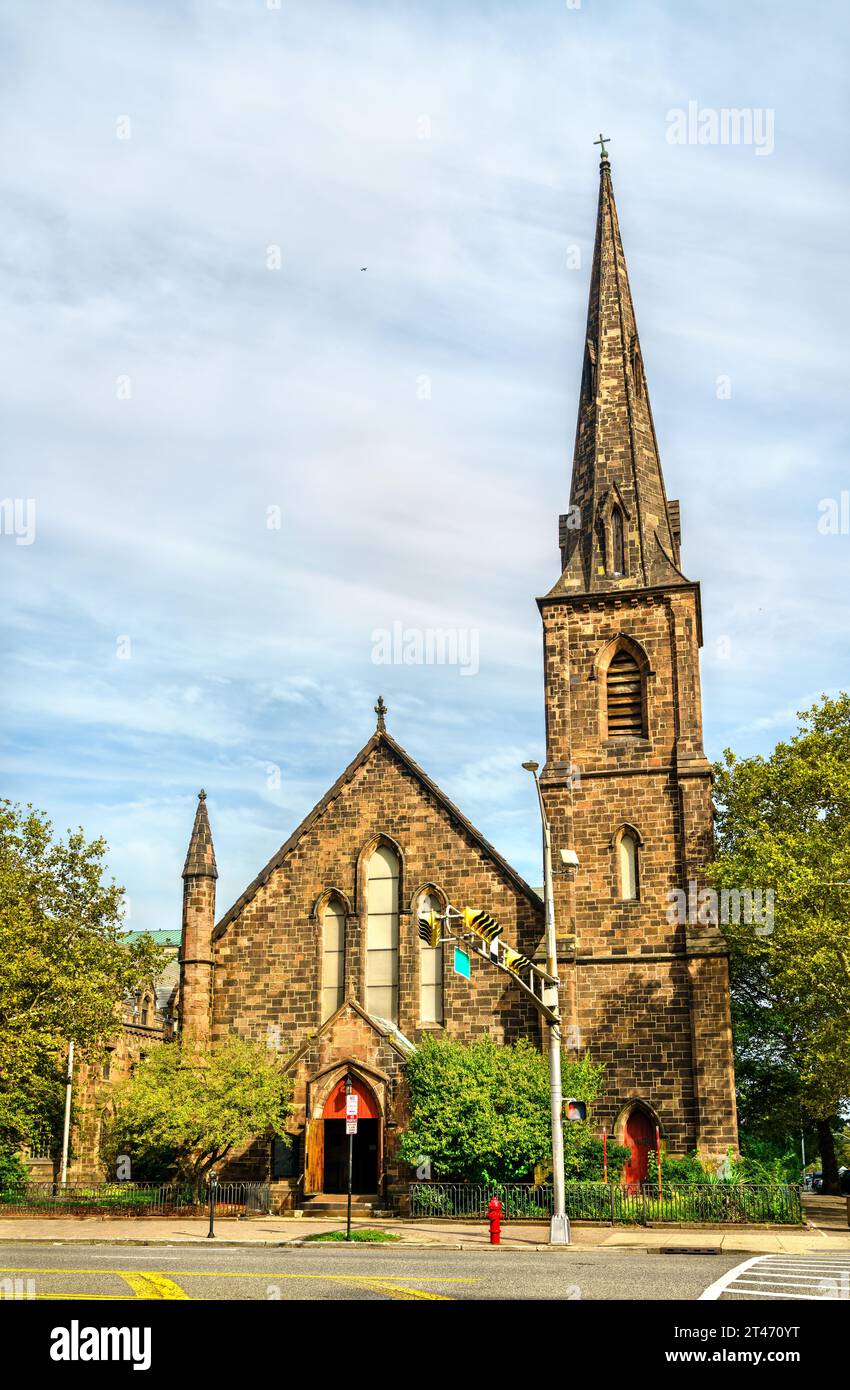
<point>620,532</point>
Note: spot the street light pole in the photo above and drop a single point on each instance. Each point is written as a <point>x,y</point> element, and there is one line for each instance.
<point>559,1226</point>
<point>66,1127</point>
<point>213,1183</point>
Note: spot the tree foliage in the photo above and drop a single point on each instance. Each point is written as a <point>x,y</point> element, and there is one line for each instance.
<point>199,1101</point>
<point>65,964</point>
<point>481,1112</point>
<point>783,823</point>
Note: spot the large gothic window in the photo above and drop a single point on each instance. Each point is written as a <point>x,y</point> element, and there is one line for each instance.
<point>430,970</point>
<point>382,875</point>
<point>624,696</point>
<point>333,957</point>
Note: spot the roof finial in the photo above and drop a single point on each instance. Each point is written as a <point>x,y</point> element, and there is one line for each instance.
<point>603,153</point>
<point>202,796</point>
<point>381,710</point>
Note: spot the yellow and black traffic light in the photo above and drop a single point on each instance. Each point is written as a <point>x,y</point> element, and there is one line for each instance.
<point>515,960</point>
<point>430,928</point>
<point>481,923</point>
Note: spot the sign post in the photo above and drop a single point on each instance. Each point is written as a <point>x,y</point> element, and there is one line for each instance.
<point>351,1130</point>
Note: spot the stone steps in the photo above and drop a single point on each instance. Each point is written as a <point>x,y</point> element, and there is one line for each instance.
<point>335,1204</point>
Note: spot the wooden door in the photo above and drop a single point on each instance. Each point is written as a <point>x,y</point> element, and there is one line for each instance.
<point>314,1158</point>
<point>639,1134</point>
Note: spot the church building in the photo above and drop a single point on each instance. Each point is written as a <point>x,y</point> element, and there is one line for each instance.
<point>321,958</point>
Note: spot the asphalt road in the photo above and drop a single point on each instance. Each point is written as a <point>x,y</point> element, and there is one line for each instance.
<point>95,1272</point>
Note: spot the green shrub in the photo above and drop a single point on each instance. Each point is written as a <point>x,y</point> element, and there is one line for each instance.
<point>363,1235</point>
<point>13,1173</point>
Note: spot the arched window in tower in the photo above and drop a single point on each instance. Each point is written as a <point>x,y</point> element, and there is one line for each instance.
<point>628,866</point>
<point>333,957</point>
<point>382,875</point>
<point>618,549</point>
<point>624,696</point>
<point>430,970</point>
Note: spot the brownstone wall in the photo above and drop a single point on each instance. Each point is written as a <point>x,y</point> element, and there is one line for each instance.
<point>636,995</point>
<point>268,960</point>
<point>196,963</point>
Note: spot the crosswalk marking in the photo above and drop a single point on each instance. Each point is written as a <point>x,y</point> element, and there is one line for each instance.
<point>784,1277</point>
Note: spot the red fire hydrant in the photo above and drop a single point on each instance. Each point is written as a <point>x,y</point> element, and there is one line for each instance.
<point>494,1211</point>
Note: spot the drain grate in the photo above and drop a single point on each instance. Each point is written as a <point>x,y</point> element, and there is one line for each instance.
<point>689,1250</point>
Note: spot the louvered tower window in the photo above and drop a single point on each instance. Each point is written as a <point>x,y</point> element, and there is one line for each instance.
<point>625,696</point>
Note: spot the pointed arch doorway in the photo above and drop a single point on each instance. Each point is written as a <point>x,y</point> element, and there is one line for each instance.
<point>327,1163</point>
<point>639,1136</point>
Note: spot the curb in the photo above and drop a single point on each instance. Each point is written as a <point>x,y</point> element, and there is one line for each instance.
<point>300,1243</point>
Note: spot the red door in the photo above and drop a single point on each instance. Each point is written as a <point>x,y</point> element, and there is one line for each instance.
<point>639,1134</point>
<point>367,1108</point>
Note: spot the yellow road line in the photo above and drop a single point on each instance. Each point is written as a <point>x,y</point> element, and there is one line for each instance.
<point>148,1285</point>
<point>235,1274</point>
<point>399,1292</point>
<point>95,1297</point>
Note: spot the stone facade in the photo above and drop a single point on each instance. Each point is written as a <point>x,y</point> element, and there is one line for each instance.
<point>627,789</point>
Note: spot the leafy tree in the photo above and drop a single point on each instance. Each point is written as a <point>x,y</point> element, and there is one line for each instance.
<point>481,1112</point>
<point>65,964</point>
<point>784,824</point>
<point>13,1171</point>
<point>197,1102</point>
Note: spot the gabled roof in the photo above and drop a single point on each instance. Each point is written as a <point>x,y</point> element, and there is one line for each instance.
<point>393,1035</point>
<point>379,739</point>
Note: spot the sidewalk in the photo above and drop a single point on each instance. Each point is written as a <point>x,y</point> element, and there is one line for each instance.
<point>290,1231</point>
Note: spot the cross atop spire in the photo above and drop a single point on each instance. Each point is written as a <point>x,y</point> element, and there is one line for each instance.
<point>620,533</point>
<point>200,858</point>
<point>603,140</point>
<point>381,711</point>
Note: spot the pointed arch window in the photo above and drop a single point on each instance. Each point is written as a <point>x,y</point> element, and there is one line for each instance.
<point>333,957</point>
<point>430,969</point>
<point>618,548</point>
<point>624,696</point>
<point>628,865</point>
<point>382,883</point>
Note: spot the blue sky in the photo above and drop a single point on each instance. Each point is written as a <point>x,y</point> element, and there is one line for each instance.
<point>164,386</point>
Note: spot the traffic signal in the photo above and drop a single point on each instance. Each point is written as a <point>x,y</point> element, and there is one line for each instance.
<point>430,927</point>
<point>481,923</point>
<point>515,960</point>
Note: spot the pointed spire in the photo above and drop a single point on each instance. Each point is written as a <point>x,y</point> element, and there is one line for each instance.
<point>619,533</point>
<point>200,860</point>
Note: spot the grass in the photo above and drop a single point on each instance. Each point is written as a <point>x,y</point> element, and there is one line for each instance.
<point>365,1234</point>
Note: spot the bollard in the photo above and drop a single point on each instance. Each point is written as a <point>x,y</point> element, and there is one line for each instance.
<point>494,1211</point>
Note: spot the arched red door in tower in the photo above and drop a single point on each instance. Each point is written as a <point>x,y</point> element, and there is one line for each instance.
<point>639,1134</point>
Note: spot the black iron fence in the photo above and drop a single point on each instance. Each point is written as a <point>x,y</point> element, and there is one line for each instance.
<point>722,1202</point>
<point>132,1199</point>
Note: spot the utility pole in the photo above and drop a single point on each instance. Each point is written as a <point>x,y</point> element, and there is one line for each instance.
<point>352,1129</point>
<point>559,1226</point>
<point>66,1128</point>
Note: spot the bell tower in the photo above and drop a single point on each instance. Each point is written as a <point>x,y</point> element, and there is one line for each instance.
<point>627,783</point>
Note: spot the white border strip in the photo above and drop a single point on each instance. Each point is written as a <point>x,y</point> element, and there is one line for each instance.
<point>713,1292</point>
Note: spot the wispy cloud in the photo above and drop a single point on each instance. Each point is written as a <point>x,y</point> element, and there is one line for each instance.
<point>166,395</point>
